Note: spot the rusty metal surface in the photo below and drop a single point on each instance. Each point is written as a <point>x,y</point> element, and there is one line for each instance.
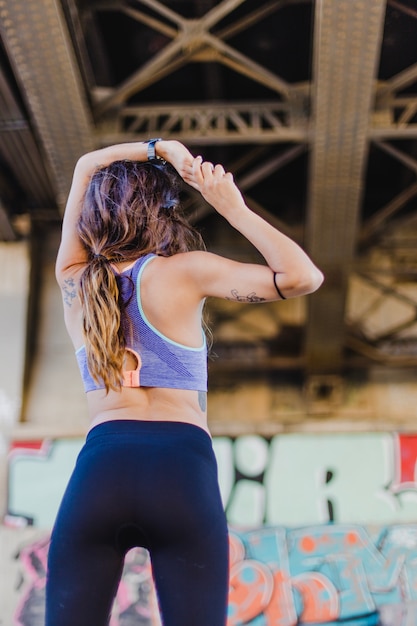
<point>347,45</point>
<point>36,38</point>
<point>303,100</point>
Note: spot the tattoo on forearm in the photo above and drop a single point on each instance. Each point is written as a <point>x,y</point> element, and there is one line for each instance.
<point>202,400</point>
<point>68,291</point>
<point>251,297</point>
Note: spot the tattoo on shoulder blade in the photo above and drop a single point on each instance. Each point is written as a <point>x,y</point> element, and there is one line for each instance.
<point>202,400</point>
<point>251,297</point>
<point>69,291</point>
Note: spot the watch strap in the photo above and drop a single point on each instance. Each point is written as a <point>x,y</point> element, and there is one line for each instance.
<point>151,148</point>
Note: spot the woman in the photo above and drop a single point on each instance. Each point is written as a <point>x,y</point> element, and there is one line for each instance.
<point>134,277</point>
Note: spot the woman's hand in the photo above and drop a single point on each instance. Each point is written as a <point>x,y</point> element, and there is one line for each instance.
<point>216,186</point>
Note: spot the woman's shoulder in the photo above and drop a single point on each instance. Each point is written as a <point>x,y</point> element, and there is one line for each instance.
<point>182,267</point>
<point>187,260</point>
<point>187,272</point>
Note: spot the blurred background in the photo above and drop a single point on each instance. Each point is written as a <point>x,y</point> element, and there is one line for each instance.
<point>313,107</point>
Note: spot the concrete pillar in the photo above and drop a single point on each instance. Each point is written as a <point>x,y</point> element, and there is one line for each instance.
<point>14,289</point>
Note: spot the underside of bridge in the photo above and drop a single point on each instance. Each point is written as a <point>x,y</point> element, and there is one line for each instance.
<point>312,106</point>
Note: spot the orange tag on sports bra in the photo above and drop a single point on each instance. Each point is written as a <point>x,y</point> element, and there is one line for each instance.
<point>131,378</point>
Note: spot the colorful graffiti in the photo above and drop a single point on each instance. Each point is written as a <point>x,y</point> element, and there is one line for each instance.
<point>288,480</point>
<point>295,479</point>
<point>135,604</point>
<point>327,574</point>
<point>332,538</point>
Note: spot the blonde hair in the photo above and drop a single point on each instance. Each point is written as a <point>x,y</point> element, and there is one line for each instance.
<point>130,209</point>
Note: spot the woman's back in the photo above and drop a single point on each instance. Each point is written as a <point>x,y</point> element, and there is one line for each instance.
<point>165,365</point>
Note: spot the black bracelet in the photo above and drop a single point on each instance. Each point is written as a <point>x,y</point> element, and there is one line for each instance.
<point>152,156</point>
<point>277,288</point>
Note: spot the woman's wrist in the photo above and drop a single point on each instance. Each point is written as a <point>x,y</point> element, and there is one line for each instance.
<point>236,214</point>
<point>169,150</point>
<point>162,149</point>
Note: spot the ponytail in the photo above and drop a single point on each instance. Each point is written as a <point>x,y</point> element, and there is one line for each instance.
<point>104,341</point>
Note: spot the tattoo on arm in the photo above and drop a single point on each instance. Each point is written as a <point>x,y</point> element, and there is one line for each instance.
<point>69,291</point>
<point>251,297</point>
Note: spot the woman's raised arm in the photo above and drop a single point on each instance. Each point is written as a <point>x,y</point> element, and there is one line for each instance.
<point>71,252</point>
<point>288,266</point>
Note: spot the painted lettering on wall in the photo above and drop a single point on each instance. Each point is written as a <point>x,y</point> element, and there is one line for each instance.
<point>324,574</point>
<point>333,529</point>
<point>289,480</point>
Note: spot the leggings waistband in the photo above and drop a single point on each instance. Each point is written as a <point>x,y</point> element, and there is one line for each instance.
<point>136,427</point>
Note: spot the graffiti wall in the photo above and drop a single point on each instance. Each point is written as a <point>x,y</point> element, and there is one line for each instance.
<point>288,480</point>
<point>323,530</point>
<point>323,574</point>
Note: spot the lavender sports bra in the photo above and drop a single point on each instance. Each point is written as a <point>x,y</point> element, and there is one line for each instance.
<point>161,362</point>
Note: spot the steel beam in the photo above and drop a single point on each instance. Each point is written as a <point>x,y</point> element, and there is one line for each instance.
<point>50,83</point>
<point>192,40</point>
<point>347,45</point>
<point>213,123</point>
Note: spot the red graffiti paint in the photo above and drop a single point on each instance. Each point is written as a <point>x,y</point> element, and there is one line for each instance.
<point>405,462</point>
<point>256,589</point>
<point>307,544</point>
<point>251,585</point>
<point>351,539</point>
<point>319,596</point>
<point>236,549</point>
<point>281,609</point>
<point>36,445</point>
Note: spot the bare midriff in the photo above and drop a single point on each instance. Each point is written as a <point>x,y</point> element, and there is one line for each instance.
<point>148,404</point>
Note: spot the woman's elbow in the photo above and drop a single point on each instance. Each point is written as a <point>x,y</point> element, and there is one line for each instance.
<point>307,281</point>
<point>316,279</point>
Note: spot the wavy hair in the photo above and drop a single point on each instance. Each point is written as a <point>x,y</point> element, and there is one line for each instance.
<point>129,209</point>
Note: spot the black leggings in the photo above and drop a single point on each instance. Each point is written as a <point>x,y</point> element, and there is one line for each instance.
<point>149,484</point>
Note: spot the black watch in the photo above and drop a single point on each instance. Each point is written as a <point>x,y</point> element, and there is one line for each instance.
<point>151,149</point>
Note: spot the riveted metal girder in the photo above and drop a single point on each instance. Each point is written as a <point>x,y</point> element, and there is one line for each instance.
<point>40,51</point>
<point>242,122</point>
<point>346,52</point>
<point>192,40</point>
